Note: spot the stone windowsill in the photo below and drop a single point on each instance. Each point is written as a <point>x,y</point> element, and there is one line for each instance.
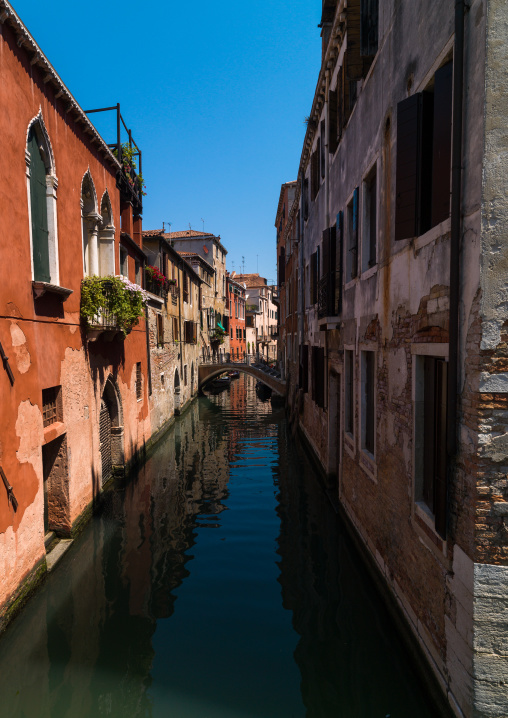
<point>53,431</point>
<point>41,288</point>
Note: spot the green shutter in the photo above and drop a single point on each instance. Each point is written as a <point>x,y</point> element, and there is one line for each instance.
<point>39,210</point>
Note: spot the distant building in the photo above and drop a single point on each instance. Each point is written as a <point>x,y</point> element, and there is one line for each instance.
<point>236,305</point>
<point>261,313</point>
<point>193,244</point>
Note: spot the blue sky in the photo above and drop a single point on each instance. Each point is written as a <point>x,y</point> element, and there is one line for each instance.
<point>215,95</point>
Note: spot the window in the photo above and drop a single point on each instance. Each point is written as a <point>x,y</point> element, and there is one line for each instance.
<point>304,368</point>
<point>41,186</point>
<point>368,369</point>
<point>185,287</point>
<point>124,267</point>
<point>51,405</point>
<point>190,331</point>
<point>352,237</point>
<point>160,330</point>
<point>431,382</point>
<point>176,333</point>
<point>318,375</point>
<point>106,238</point>
<point>185,375</point>
<point>322,143</point>
<point>314,171</point>
<point>369,27</point>
<point>424,123</point>
<point>369,221</point>
<point>349,403</point>
<point>139,382</point>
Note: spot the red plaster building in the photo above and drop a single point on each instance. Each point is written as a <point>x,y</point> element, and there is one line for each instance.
<point>235,304</point>
<point>75,394</point>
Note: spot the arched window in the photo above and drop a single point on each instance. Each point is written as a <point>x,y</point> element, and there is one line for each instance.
<point>90,219</point>
<point>106,238</point>
<point>41,185</point>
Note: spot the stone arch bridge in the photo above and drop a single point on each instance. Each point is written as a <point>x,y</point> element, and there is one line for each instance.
<point>209,371</point>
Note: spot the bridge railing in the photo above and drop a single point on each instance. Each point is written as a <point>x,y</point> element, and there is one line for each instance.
<point>256,360</point>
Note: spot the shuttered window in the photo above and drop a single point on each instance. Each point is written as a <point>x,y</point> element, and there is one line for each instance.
<point>349,406</point>
<point>434,439</point>
<point>352,230</point>
<point>39,211</point>
<point>176,333</point>
<point>369,27</point>
<point>424,157</point>
<point>322,143</point>
<point>190,330</point>
<point>314,172</point>
<point>332,121</point>
<point>314,277</point>
<point>339,238</point>
<point>305,193</point>
<point>318,376</point>
<point>304,368</point>
<point>160,330</point>
<point>368,401</point>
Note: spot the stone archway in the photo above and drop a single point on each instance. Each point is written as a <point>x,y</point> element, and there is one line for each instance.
<point>110,431</point>
<point>177,392</point>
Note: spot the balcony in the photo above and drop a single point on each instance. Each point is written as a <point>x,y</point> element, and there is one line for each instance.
<point>328,300</point>
<point>110,306</point>
<point>129,182</point>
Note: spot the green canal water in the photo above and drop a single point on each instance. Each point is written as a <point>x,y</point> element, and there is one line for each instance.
<point>217,583</point>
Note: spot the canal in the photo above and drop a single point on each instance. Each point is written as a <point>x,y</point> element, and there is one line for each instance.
<point>217,583</point>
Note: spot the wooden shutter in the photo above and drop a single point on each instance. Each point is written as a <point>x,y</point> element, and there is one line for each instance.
<point>318,376</point>
<point>340,102</point>
<point>440,462</point>
<point>408,166</point>
<point>354,242</point>
<point>369,27</point>
<point>332,121</point>
<point>194,332</point>
<point>305,368</point>
<point>313,175</point>
<point>353,51</point>
<point>39,211</point>
<point>322,143</point>
<point>442,143</point>
<point>339,238</point>
<point>313,273</point>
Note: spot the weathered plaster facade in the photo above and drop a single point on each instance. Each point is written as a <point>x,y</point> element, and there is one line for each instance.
<point>374,312</point>
<point>59,370</point>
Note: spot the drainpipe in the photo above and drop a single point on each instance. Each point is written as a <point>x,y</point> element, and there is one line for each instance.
<point>456,200</point>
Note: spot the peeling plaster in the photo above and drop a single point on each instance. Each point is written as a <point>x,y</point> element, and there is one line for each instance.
<point>23,359</point>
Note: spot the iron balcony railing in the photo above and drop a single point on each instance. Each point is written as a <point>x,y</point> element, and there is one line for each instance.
<point>105,318</point>
<point>328,300</point>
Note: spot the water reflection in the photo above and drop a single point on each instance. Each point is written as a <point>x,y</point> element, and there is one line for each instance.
<point>170,602</point>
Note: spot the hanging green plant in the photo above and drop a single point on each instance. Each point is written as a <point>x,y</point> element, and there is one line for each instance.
<point>110,302</point>
<point>129,167</point>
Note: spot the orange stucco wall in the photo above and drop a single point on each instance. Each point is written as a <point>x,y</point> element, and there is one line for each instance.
<point>44,339</point>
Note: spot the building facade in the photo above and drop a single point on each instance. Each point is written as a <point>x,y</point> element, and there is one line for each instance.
<point>75,364</point>
<point>393,323</point>
<point>193,245</point>
<point>235,304</point>
<point>261,314</point>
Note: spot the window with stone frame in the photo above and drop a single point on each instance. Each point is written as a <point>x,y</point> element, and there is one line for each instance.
<point>52,405</point>
<point>349,398</point>
<point>430,437</point>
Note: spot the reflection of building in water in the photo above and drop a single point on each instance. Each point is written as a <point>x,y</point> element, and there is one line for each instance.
<point>347,638</point>
<point>84,647</point>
